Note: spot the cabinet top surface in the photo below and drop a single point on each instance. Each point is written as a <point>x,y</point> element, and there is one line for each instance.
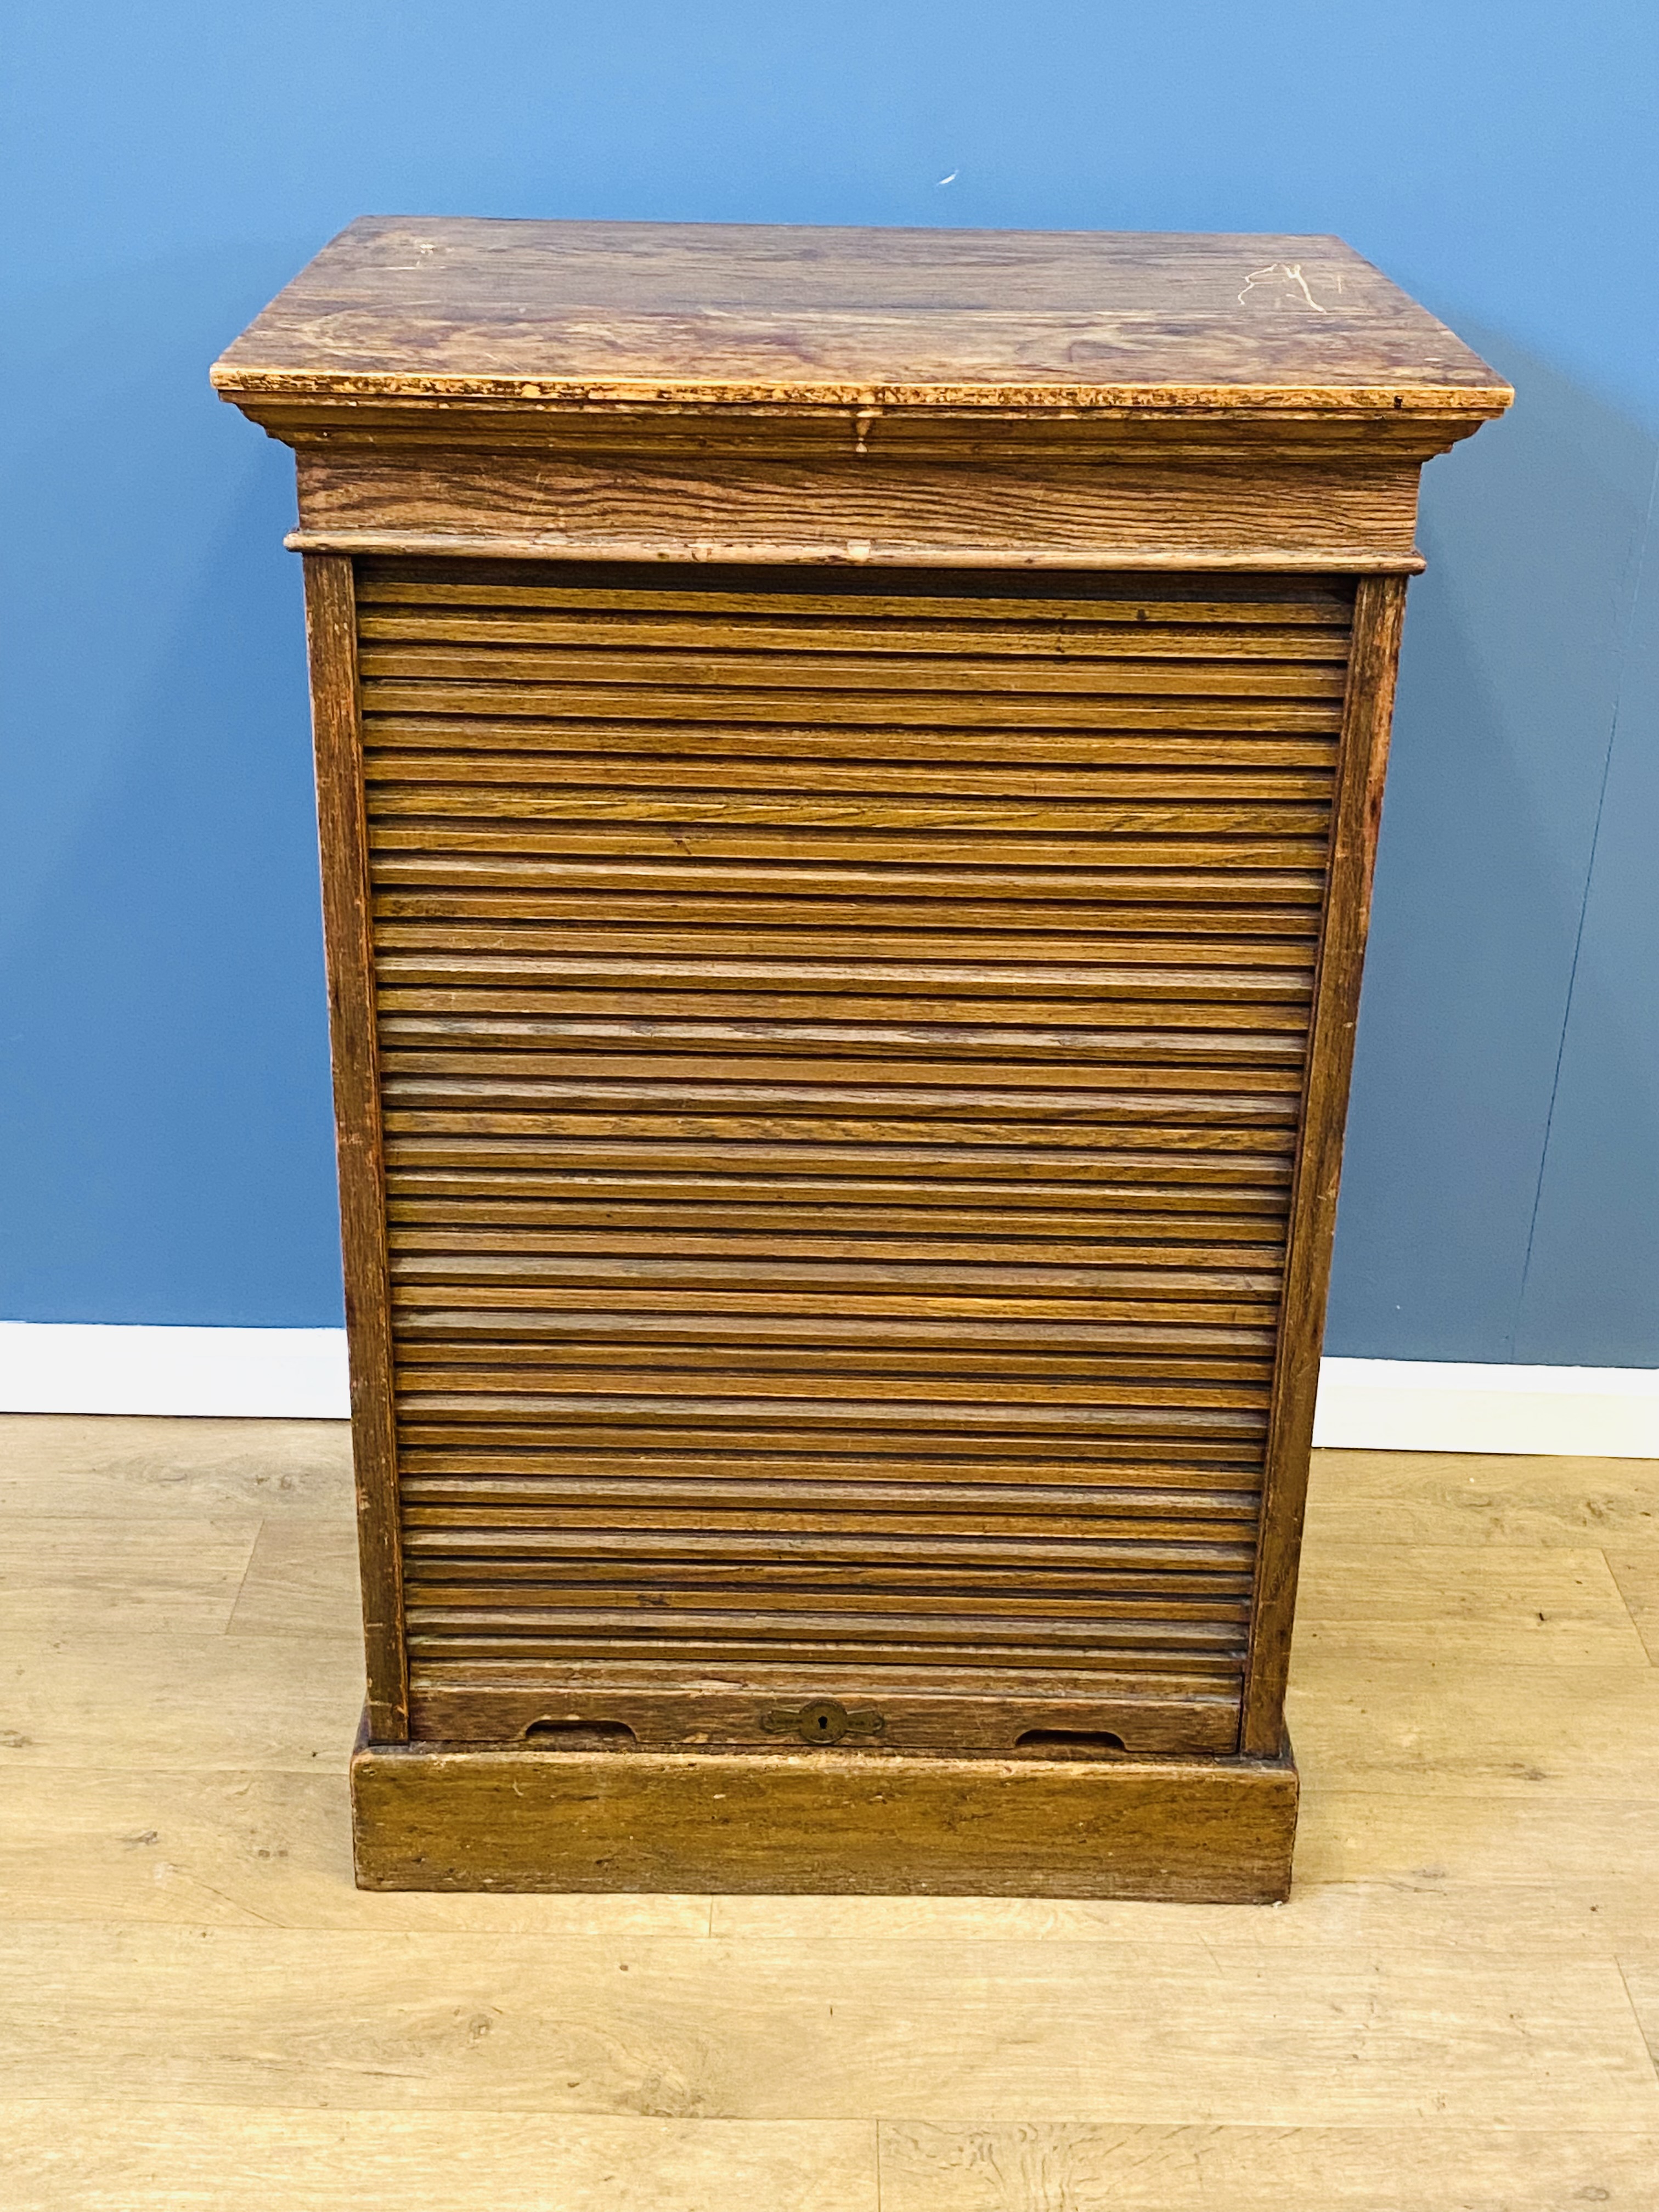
<point>414,308</point>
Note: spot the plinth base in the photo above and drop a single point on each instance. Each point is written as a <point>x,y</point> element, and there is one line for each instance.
<point>1219,1831</point>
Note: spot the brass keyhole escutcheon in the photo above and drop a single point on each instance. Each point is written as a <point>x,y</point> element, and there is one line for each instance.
<point>821,1720</point>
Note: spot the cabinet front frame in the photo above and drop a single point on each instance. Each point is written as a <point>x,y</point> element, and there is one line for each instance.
<point>1361,765</point>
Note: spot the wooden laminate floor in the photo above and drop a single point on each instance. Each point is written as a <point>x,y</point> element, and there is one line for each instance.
<point>1457,2012</point>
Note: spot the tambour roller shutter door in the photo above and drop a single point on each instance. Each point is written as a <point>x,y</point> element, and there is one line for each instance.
<point>841,1043</point>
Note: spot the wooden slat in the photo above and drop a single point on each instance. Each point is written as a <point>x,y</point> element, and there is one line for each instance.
<point>512,1011</point>
<point>1267,789</point>
<point>496,1464</point>
<point>935,629</point>
<point>853,1215</point>
<point>1209,1062</point>
<point>1049,1146</point>
<point>839,1240</point>
<point>461,1314</point>
<point>439,906</point>
<point>996,1090</point>
<point>1167,707</point>
<point>751,747</point>
<point>780,593</point>
<point>779,1179</point>
<point>1190,825</point>
<point>1127,1581</point>
<point>1186,1166</point>
<point>653,835</point>
<point>927,980</point>
<point>1244,899</point>
<point>429,1372</point>
<point>939,1117</point>
<point>645,1514</point>
<point>837,1636</point>
<point>870,1474</point>
<point>965,676</point>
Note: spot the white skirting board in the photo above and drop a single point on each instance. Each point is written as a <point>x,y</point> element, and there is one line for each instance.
<point>1432,1405</point>
<point>86,1367</point>
<point>300,1374</point>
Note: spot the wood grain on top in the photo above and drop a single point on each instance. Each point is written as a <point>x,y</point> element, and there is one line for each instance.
<point>424,308</point>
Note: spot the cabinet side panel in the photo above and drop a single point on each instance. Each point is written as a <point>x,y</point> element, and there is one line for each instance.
<point>1379,611</point>
<point>331,626</point>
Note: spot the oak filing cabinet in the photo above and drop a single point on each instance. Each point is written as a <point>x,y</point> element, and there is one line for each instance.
<point>849,766</point>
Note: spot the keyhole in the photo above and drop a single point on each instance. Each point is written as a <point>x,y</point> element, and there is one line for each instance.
<point>823,1720</point>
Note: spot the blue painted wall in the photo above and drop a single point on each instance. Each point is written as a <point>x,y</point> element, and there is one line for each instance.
<point>166,1113</point>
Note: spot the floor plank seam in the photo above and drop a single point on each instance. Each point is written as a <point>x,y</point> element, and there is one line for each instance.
<point>242,1586</point>
<point>1636,2014</point>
